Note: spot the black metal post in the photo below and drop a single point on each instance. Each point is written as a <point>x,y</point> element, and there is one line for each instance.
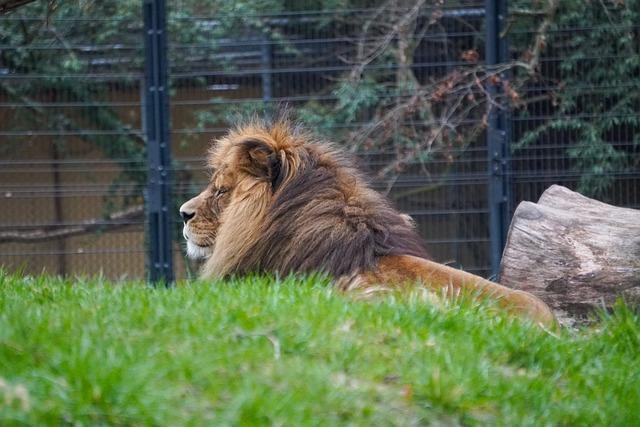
<point>156,125</point>
<point>498,133</point>
<point>266,65</point>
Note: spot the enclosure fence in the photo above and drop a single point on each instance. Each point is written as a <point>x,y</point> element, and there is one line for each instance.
<point>458,111</point>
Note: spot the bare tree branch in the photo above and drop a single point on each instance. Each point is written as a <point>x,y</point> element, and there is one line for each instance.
<point>7,6</point>
<point>540,41</point>
<point>438,117</point>
<point>116,220</point>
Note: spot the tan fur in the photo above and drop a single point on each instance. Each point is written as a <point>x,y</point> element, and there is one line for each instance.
<point>280,201</point>
<point>245,212</point>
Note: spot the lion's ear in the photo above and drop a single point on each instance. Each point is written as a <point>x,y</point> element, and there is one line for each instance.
<point>260,160</point>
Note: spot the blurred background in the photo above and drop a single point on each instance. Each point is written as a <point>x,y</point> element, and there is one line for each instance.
<point>459,110</point>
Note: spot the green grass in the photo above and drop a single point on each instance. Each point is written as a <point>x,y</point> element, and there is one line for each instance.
<point>293,352</point>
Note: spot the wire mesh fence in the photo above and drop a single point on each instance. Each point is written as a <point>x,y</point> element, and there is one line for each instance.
<point>403,85</point>
<point>72,145</point>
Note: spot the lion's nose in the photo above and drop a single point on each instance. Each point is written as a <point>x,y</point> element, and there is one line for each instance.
<point>186,216</point>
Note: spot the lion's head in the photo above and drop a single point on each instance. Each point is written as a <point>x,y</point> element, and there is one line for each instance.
<point>280,201</point>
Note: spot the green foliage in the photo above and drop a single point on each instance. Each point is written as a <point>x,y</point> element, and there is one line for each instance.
<point>353,102</point>
<point>596,89</point>
<point>54,54</point>
<point>55,42</point>
<point>294,352</point>
<point>595,95</point>
<point>354,97</point>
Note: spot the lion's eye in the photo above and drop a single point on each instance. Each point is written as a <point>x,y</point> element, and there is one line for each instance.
<point>221,191</point>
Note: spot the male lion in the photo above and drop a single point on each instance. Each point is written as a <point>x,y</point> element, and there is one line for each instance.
<point>281,201</point>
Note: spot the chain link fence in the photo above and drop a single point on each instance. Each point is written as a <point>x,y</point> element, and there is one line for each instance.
<point>406,86</point>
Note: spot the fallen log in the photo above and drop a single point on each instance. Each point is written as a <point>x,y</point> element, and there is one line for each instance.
<point>573,252</point>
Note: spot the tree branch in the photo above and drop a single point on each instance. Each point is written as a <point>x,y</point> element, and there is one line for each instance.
<point>7,6</point>
<point>114,221</point>
<point>540,41</point>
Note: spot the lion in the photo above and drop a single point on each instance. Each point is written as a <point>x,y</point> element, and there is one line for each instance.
<point>281,201</point>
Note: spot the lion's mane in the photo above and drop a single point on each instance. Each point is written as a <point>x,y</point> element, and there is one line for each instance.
<point>302,206</point>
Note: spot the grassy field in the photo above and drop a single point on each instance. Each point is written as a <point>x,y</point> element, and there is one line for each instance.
<point>293,352</point>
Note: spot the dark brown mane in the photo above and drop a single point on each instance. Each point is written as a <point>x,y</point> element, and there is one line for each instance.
<point>327,218</point>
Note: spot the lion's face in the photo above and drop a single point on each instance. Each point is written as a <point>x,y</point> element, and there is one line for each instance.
<point>246,166</point>
<point>202,215</point>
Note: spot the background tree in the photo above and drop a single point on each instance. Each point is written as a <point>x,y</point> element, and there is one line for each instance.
<point>382,101</point>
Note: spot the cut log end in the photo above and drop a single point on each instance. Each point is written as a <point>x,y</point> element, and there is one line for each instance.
<point>573,252</point>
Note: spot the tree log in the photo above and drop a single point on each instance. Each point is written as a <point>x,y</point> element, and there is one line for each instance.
<point>573,252</point>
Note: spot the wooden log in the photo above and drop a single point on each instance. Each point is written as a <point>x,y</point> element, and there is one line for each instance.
<point>573,252</point>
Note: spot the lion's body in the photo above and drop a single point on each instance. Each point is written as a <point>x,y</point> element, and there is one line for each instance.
<point>281,202</point>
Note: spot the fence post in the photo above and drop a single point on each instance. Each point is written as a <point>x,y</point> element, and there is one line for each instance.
<point>156,125</point>
<point>498,133</point>
<point>266,66</point>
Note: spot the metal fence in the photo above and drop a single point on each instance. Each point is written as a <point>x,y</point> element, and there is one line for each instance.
<point>418,90</point>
